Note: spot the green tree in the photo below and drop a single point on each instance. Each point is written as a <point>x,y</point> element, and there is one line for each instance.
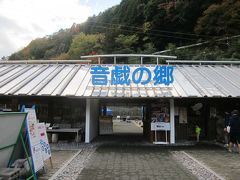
<point>173,21</point>
<point>222,19</point>
<point>145,26</point>
<point>126,41</point>
<point>38,47</point>
<point>86,44</point>
<point>17,56</point>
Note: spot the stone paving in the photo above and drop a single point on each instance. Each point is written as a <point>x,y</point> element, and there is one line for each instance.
<point>219,160</point>
<point>132,163</point>
<point>130,157</point>
<point>131,160</point>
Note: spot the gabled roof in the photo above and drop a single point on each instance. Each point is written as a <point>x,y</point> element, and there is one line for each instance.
<point>75,80</point>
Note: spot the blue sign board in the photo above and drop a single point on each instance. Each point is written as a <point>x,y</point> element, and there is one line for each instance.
<point>120,75</point>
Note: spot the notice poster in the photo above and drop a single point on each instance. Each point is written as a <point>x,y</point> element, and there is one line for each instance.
<point>183,115</point>
<point>34,140</point>
<point>45,148</point>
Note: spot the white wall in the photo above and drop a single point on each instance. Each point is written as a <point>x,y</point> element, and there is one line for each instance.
<point>92,115</point>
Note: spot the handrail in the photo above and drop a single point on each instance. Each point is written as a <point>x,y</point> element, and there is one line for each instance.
<point>200,62</point>
<point>129,55</point>
<point>46,62</point>
<point>141,56</point>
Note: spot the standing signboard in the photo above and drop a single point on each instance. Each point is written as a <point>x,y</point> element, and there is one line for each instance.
<point>11,133</point>
<point>45,147</point>
<point>33,137</point>
<point>160,126</point>
<point>10,129</point>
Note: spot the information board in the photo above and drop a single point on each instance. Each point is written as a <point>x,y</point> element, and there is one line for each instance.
<point>34,140</point>
<point>157,126</point>
<point>45,148</point>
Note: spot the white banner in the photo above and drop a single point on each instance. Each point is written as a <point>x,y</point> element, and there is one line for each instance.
<point>45,148</point>
<point>160,126</point>
<point>34,140</point>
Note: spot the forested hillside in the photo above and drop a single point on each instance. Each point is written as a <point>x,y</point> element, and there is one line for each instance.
<point>147,26</point>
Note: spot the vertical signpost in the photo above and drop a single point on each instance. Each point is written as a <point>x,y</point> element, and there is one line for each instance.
<point>33,138</point>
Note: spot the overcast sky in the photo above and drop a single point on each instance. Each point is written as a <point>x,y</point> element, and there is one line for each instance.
<point>24,20</point>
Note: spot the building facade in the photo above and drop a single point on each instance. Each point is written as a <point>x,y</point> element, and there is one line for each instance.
<point>183,95</point>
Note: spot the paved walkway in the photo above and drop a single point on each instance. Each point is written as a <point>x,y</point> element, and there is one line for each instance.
<point>129,126</point>
<point>130,157</point>
<point>133,163</point>
<point>219,160</point>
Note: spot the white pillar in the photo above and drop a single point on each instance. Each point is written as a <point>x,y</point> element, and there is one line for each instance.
<point>87,124</point>
<point>91,126</point>
<point>172,122</point>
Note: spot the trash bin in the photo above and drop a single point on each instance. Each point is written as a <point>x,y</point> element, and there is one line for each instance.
<point>54,138</point>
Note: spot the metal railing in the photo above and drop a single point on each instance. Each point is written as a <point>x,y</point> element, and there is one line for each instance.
<point>201,62</point>
<point>115,61</point>
<point>46,62</point>
<point>141,56</point>
<point>88,59</point>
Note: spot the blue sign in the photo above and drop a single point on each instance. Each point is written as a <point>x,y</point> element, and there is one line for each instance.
<point>99,75</point>
<point>120,75</point>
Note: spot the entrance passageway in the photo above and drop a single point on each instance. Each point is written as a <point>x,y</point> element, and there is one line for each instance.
<point>133,162</point>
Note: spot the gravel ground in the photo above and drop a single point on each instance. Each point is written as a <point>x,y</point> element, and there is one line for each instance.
<point>58,159</point>
<point>73,168</point>
<point>197,168</point>
<point>220,161</point>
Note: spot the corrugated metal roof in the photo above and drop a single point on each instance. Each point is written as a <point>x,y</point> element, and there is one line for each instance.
<point>75,80</point>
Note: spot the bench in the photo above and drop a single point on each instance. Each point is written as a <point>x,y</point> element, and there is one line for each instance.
<point>66,130</point>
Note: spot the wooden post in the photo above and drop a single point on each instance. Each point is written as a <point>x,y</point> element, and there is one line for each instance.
<point>50,159</point>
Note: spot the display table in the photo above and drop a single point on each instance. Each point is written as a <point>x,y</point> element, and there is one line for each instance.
<point>66,130</point>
